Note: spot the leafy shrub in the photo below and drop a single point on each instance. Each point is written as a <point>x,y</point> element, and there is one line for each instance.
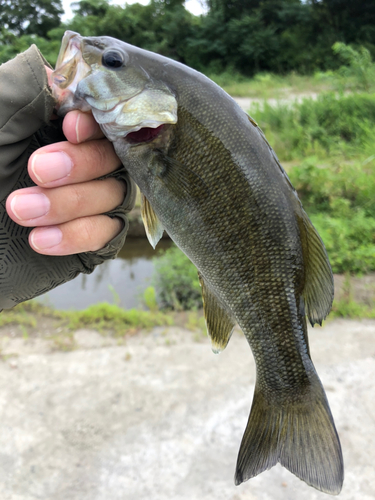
<point>340,200</point>
<point>176,281</point>
<point>320,126</point>
<point>358,71</point>
<point>11,45</point>
<point>350,242</point>
<point>339,188</point>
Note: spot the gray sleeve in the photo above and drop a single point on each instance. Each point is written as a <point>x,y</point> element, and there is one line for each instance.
<point>26,106</point>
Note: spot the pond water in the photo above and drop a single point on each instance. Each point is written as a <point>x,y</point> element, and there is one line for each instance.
<point>123,279</point>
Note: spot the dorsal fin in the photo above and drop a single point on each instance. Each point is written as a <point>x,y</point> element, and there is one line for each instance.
<point>153,226</point>
<point>219,323</point>
<point>319,289</point>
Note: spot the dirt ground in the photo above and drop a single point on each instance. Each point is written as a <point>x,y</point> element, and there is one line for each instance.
<point>161,417</point>
<point>247,102</point>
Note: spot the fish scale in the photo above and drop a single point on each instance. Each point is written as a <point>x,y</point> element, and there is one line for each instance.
<point>209,178</point>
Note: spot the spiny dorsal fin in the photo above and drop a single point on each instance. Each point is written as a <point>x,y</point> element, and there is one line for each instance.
<point>318,291</point>
<point>154,228</point>
<point>219,324</point>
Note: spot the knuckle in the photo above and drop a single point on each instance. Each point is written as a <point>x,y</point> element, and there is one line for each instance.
<point>101,155</point>
<point>88,233</point>
<point>77,198</point>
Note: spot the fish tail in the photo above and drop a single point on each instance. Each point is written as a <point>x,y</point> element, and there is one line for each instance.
<point>301,436</point>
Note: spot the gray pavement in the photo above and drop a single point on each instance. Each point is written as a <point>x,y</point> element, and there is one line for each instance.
<point>162,417</point>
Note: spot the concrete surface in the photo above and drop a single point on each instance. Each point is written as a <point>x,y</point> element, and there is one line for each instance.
<point>162,417</point>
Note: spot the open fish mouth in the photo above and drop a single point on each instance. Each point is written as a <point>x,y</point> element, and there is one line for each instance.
<point>71,68</point>
<point>124,100</point>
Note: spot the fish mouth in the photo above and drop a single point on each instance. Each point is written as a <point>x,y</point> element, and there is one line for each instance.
<point>144,135</point>
<point>70,69</point>
<point>127,105</point>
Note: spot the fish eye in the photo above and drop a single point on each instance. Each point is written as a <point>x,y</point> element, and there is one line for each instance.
<point>113,59</point>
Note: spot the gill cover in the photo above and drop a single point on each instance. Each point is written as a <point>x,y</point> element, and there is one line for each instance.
<point>96,74</point>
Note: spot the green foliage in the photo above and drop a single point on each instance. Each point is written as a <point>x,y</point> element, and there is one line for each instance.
<point>11,45</point>
<point>336,188</point>
<point>32,17</point>
<point>176,281</point>
<point>112,317</point>
<point>269,85</point>
<point>358,71</point>
<point>102,317</point>
<point>350,241</point>
<point>149,297</point>
<point>329,123</point>
<point>24,314</point>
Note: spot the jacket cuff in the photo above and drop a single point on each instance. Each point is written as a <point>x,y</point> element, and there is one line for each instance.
<point>110,251</point>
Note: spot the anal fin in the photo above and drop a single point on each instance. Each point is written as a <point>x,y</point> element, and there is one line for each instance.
<point>153,226</point>
<point>219,323</point>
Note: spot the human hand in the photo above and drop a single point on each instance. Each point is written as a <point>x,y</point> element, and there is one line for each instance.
<point>66,205</point>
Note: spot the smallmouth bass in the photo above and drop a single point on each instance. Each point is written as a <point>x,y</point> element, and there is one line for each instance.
<point>210,179</point>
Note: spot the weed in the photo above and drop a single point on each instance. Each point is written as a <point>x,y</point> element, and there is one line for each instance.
<point>346,307</point>
<point>176,281</point>
<point>358,71</point>
<point>63,342</point>
<point>149,297</point>
<point>111,317</point>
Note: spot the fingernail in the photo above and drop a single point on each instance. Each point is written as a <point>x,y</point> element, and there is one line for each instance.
<point>77,127</point>
<point>46,237</point>
<point>30,206</point>
<point>50,167</point>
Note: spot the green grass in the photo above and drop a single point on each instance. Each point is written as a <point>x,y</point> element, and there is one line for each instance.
<point>101,317</point>
<point>329,125</point>
<point>268,85</point>
<point>357,74</point>
<point>112,317</point>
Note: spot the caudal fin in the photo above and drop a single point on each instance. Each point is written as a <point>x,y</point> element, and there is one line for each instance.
<point>301,436</point>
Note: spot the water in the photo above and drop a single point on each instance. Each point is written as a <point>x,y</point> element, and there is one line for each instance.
<point>123,279</point>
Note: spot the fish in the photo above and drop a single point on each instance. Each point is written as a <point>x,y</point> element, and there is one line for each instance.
<point>210,179</point>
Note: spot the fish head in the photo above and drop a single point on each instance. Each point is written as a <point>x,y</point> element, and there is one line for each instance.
<point>106,76</point>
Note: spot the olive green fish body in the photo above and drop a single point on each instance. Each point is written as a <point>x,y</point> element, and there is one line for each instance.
<point>211,180</point>
<point>239,229</point>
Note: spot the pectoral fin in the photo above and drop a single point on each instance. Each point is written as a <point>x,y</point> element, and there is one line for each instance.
<point>318,290</point>
<point>181,180</point>
<point>219,324</point>
<point>153,226</point>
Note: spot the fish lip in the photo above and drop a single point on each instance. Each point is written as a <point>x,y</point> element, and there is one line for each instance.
<point>70,69</point>
<point>69,41</point>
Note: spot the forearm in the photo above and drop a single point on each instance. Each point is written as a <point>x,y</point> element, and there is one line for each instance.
<point>26,105</point>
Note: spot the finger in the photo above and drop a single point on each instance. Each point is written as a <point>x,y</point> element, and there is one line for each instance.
<point>77,236</point>
<point>79,127</point>
<point>64,163</point>
<point>36,206</point>
<point>49,72</point>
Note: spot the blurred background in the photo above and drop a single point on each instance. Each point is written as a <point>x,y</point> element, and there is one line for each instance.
<point>84,361</point>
